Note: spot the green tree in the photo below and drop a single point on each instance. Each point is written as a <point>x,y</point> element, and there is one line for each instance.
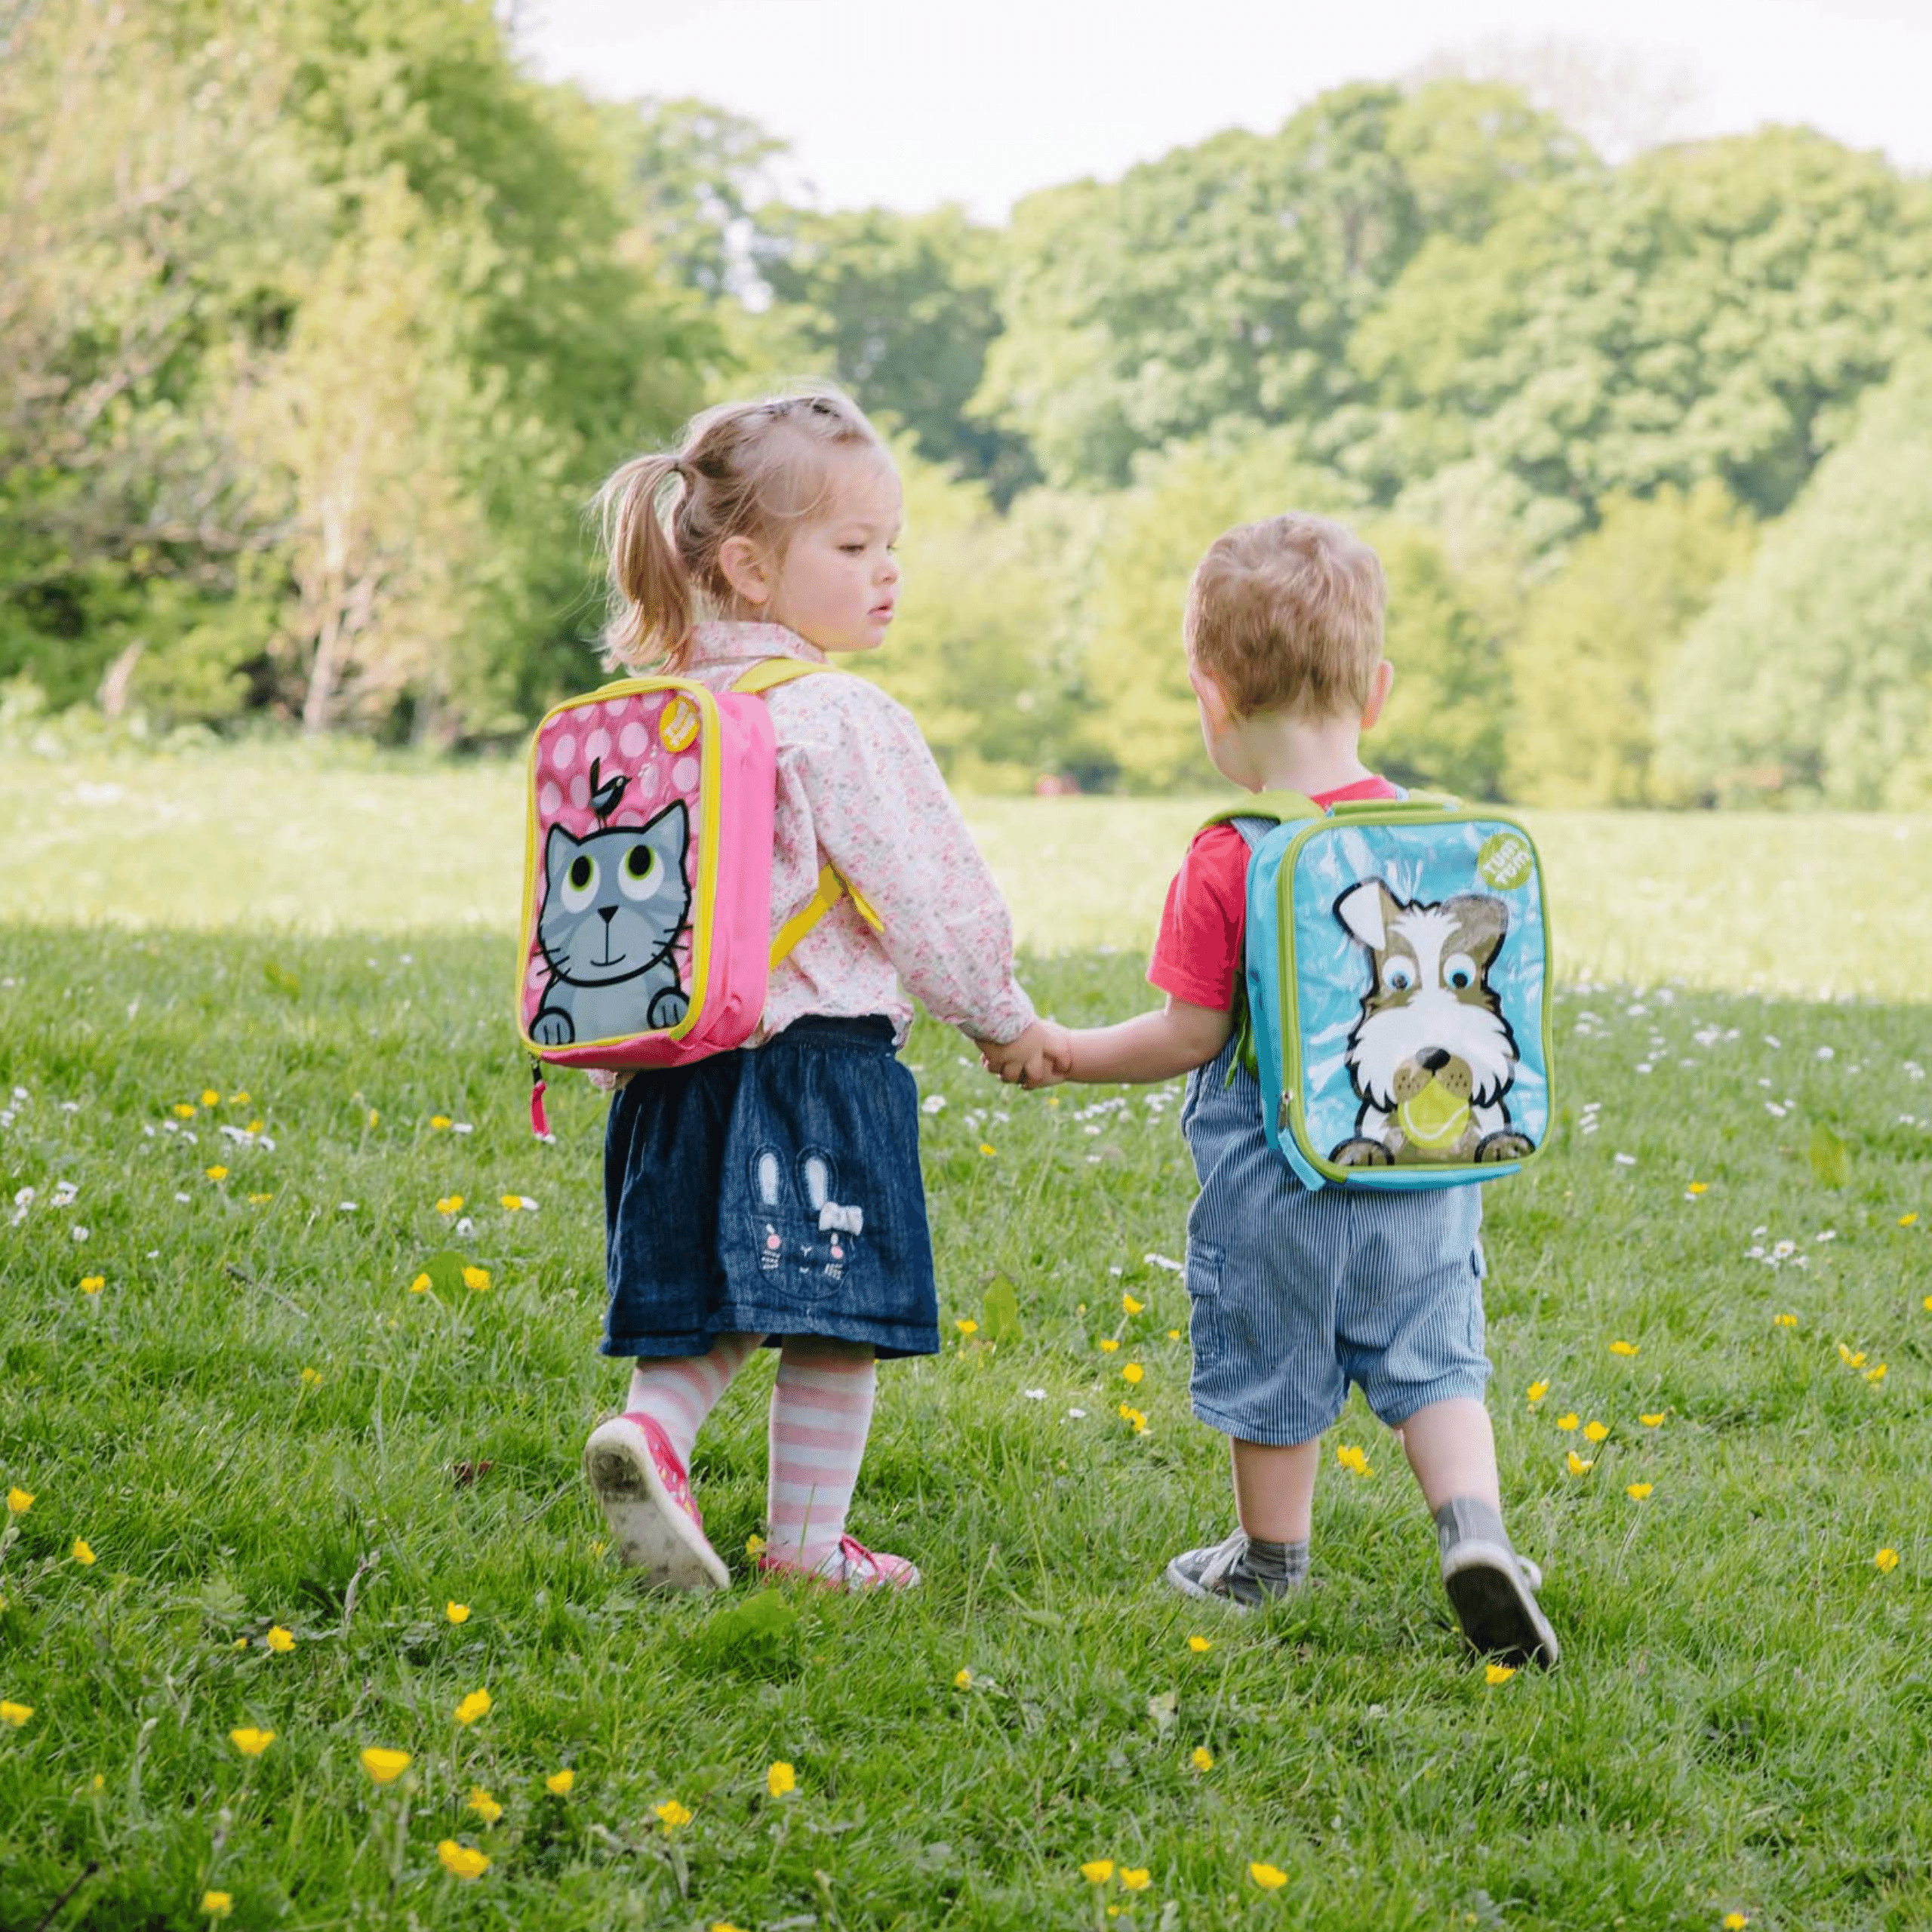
<point>1223,282</point>
<point>1810,672</point>
<point>901,308</point>
<point>967,655</point>
<point>1733,300</point>
<point>1596,639</point>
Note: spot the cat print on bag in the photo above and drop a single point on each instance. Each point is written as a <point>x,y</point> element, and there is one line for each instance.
<point>615,904</point>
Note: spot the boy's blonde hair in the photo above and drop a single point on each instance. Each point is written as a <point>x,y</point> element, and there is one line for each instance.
<point>1285,615</point>
<point>756,469</point>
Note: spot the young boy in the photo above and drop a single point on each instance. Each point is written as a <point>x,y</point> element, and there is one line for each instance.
<point>1296,1293</point>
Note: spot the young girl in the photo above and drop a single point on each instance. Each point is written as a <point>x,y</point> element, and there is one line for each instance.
<point>773,1194</point>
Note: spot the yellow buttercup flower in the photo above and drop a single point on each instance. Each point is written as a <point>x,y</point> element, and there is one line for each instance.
<point>1875,1375</point>
<point>1132,1372</point>
<point>217,1904</point>
<point>987,1148</point>
<point>1538,1390</point>
<point>1849,1359</point>
<point>1578,1465</point>
<point>1908,1220</point>
<point>1201,1758</point>
<point>1595,1432</point>
<point>1887,1561</point>
<point>210,1098</point>
<point>1097,1871</point>
<point>14,1716</point>
<point>462,1861</point>
<point>967,1325</point>
<point>384,1766</point>
<point>512,1201</point>
<point>450,1204</point>
<point>1569,1421</point>
<point>1498,1673</point>
<point>1201,1646</point>
<point>476,1705</point>
<point>754,1545</point>
<point>1173,1334</point>
<point>671,1814</point>
<point>558,1784</point>
<point>1350,1457</point>
<point>1136,1878</point>
<point>240,1099</point>
<point>456,1613</point>
<point>183,1110</point>
<point>19,1502</point>
<point>438,1121</point>
<point>217,1172</point>
<point>92,1285</point>
<point>312,1378</point>
<point>962,1680</point>
<point>83,1552</point>
<point>1654,1421</point>
<point>1135,1416</point>
<point>1736,1921</point>
<point>280,1641</point>
<point>780,1779</point>
<point>485,1807</point>
<point>1623,1347</point>
<point>1785,1320</point>
<point>477,1278</point>
<point>258,1200</point>
<point>1109,1344</point>
<point>1698,1187</point>
<point>1637,1491</point>
<point>1269,1878</point>
<point>1130,1306</point>
<point>250,1742</point>
<point>421,1285</point>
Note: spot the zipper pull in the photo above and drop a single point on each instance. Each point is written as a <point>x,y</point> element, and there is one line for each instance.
<point>539,1121</point>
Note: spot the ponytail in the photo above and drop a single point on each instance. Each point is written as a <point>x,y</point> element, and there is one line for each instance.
<point>651,589</point>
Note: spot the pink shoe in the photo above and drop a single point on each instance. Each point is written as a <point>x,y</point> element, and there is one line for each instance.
<point>850,1565</point>
<point>646,1498</point>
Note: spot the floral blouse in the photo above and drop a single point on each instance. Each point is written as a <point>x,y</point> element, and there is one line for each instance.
<point>857,788</point>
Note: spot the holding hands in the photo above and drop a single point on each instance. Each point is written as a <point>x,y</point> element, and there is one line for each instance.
<point>1041,1057</point>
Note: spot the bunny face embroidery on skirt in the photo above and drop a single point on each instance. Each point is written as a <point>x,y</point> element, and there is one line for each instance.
<point>805,1240</point>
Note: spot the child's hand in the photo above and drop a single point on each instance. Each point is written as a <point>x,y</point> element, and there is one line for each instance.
<point>1041,1057</point>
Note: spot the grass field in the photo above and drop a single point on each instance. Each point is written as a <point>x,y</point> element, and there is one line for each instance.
<point>290,838</point>
<point>250,1424</point>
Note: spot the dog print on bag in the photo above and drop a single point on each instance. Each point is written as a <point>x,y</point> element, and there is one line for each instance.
<point>615,904</point>
<point>1431,1056</point>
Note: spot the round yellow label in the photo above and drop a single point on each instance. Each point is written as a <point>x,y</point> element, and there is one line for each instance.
<point>679,726</point>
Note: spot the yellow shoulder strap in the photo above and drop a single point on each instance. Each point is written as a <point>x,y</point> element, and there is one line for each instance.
<point>762,677</point>
<point>770,671</point>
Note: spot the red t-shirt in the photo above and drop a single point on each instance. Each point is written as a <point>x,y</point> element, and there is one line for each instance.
<point>1198,951</point>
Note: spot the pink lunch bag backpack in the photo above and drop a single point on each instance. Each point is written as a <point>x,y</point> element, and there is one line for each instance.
<point>647,883</point>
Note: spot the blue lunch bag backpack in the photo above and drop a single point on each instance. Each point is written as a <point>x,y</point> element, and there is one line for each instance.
<point>1397,969</point>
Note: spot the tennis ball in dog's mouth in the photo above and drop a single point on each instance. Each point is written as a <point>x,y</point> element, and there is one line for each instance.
<point>1435,1118</point>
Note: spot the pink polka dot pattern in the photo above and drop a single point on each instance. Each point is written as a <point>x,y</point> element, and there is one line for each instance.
<point>620,733</point>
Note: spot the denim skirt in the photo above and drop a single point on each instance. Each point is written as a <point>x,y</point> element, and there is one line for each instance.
<point>772,1191</point>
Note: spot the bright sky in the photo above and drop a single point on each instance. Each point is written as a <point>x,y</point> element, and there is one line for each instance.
<point>910,102</point>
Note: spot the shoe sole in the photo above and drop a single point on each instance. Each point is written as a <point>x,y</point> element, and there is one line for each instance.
<point>1499,1616</point>
<point>652,1533</point>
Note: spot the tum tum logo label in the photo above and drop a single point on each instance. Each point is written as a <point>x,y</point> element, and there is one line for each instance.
<point>1505,860</point>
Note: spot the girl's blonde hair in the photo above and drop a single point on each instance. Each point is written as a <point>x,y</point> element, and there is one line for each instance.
<point>753,469</point>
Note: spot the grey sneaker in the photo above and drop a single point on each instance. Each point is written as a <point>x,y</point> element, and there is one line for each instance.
<point>1223,1573</point>
<point>1493,1592</point>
